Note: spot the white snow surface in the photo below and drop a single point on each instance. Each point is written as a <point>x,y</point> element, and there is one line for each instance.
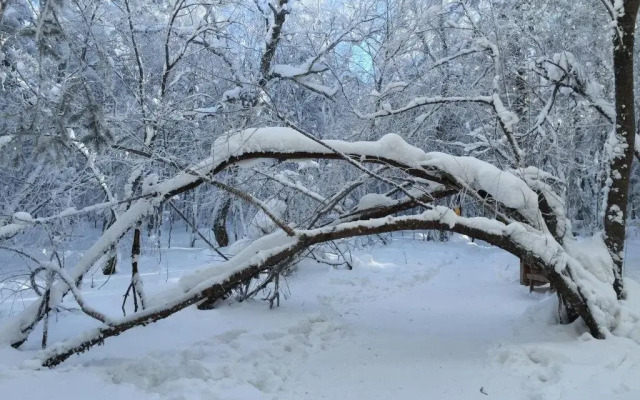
<point>312,65</point>
<point>22,217</point>
<point>412,320</point>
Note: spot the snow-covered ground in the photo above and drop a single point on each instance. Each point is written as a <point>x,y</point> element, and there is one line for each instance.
<point>412,320</point>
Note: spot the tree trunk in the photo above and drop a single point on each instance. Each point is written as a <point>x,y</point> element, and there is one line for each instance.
<point>220,223</point>
<point>3,5</point>
<point>621,142</point>
<point>110,267</point>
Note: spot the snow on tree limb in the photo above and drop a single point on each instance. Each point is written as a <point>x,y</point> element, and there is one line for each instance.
<point>214,282</point>
<point>180,77</point>
<point>424,101</point>
<point>502,187</point>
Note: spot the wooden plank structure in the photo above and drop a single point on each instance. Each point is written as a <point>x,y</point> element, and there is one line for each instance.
<point>532,276</point>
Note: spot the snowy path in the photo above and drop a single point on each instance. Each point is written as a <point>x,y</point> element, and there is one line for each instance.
<point>413,320</point>
<point>427,332</point>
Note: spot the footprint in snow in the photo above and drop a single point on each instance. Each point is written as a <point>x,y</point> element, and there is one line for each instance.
<point>258,364</point>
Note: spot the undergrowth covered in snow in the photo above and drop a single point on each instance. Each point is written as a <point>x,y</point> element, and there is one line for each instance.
<point>414,319</point>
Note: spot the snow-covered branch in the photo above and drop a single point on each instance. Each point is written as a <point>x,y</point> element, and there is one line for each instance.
<point>475,176</point>
<point>567,273</point>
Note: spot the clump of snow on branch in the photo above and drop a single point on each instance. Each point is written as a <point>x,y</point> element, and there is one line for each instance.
<point>503,186</point>
<point>373,200</point>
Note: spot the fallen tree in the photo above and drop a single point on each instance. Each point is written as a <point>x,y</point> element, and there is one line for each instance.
<point>592,299</point>
<point>517,202</point>
<point>520,227</point>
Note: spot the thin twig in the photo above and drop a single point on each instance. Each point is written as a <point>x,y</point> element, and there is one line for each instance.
<point>195,229</point>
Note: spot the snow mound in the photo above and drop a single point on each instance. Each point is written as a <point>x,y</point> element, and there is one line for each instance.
<point>373,200</point>
<point>22,217</point>
<point>629,318</point>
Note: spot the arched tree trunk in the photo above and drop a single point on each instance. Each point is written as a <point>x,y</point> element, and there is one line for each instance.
<point>110,267</point>
<point>560,273</point>
<point>517,225</point>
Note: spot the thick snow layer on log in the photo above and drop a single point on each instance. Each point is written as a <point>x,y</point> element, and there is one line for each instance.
<point>503,186</point>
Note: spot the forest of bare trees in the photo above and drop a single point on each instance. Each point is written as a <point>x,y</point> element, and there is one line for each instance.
<point>300,124</point>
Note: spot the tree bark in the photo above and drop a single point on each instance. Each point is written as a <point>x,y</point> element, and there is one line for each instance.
<point>220,223</point>
<point>621,142</point>
<point>111,265</point>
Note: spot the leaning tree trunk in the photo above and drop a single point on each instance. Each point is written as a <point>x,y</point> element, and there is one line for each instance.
<point>110,267</point>
<point>220,223</point>
<point>621,142</point>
